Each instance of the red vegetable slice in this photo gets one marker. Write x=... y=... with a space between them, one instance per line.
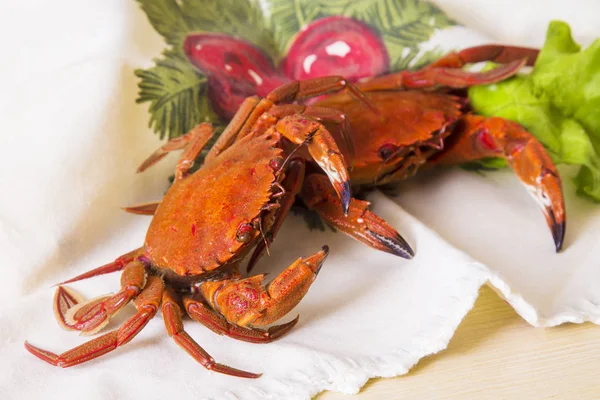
x=336 y=46
x=235 y=69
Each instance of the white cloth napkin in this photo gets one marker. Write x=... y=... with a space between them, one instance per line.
x=72 y=138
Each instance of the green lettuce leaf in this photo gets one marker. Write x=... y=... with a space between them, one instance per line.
x=558 y=102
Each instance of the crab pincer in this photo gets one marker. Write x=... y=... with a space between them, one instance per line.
x=323 y=149
x=479 y=137
x=359 y=223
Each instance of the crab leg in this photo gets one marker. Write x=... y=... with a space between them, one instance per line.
x=91 y=316
x=292 y=185
x=360 y=223
x=446 y=71
x=245 y=302
x=143 y=209
x=322 y=148
x=229 y=135
x=174 y=325
x=299 y=90
x=495 y=53
x=448 y=77
x=496 y=137
x=193 y=142
x=199 y=311
x=114 y=266
x=147 y=305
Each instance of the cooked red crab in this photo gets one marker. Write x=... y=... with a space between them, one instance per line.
x=270 y=152
x=207 y=222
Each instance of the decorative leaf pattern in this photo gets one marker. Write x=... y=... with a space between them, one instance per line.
x=167 y=18
x=240 y=18
x=403 y=24
x=177 y=93
x=289 y=17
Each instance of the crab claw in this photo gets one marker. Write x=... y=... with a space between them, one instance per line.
x=359 y=222
x=249 y=301
x=323 y=149
x=546 y=190
x=479 y=138
x=530 y=161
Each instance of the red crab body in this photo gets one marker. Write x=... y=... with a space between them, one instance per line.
x=409 y=123
x=177 y=238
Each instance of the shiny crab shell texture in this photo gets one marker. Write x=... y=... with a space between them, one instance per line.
x=190 y=243
x=276 y=150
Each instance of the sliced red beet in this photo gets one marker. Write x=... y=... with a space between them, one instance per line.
x=336 y=46
x=235 y=69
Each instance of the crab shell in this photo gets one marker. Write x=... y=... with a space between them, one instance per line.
x=214 y=216
x=410 y=126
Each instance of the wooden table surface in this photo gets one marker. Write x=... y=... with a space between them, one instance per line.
x=495 y=354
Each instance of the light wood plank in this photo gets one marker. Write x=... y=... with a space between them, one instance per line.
x=496 y=355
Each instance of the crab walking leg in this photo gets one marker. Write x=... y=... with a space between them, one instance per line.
x=490 y=52
x=440 y=76
x=91 y=316
x=230 y=134
x=147 y=305
x=64 y=299
x=193 y=142
x=248 y=302
x=199 y=311
x=479 y=138
x=360 y=223
x=323 y=149
x=143 y=209
x=174 y=325
x=117 y=265
x=292 y=185
x=299 y=90
x=446 y=71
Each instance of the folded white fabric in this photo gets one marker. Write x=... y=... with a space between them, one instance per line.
x=72 y=139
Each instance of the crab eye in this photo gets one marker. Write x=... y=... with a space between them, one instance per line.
x=244 y=233
x=276 y=163
x=386 y=151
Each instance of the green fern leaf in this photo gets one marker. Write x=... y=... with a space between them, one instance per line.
x=177 y=96
x=166 y=18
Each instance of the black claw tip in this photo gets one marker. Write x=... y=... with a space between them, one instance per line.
x=345 y=196
x=324 y=249
x=557 y=228
x=558 y=234
x=395 y=245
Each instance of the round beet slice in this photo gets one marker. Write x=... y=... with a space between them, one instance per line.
x=336 y=46
x=235 y=69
